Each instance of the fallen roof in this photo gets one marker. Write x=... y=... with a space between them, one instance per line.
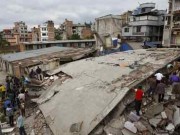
x=32 y=53
x=97 y=86
x=30 y=58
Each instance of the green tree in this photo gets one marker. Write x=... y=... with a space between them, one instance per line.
x=75 y=37
x=3 y=42
x=58 y=37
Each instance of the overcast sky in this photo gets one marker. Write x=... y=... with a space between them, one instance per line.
x=35 y=12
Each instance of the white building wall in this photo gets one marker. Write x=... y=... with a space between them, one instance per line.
x=127 y=34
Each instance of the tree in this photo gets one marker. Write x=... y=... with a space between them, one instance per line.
x=3 y=42
x=58 y=37
x=75 y=37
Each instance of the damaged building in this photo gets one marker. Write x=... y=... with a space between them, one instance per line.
x=47 y=59
x=99 y=91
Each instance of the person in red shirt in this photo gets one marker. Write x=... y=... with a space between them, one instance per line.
x=138 y=99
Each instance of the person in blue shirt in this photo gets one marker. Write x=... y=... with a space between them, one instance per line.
x=20 y=124
x=6 y=102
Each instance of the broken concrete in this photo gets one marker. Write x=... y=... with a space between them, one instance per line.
x=130 y=126
x=163 y=114
x=127 y=132
x=133 y=117
x=170 y=127
x=154 y=121
x=176 y=118
x=140 y=126
x=154 y=110
x=110 y=130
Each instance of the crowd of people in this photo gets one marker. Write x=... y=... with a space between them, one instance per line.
x=157 y=86
x=13 y=97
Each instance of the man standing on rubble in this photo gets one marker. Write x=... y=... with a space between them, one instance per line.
x=160 y=90
x=39 y=73
x=138 y=99
x=152 y=86
x=159 y=77
x=20 y=124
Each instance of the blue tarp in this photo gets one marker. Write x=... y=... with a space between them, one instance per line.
x=125 y=47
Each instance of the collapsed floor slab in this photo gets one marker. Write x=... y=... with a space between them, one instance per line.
x=97 y=86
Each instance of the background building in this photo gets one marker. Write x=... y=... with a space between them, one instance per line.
x=146 y=23
x=46 y=31
x=21 y=29
x=171 y=35
x=108 y=27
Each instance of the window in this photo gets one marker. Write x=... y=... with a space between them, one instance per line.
x=126 y=30
x=138 y=29
x=44 y=29
x=44 y=39
x=44 y=34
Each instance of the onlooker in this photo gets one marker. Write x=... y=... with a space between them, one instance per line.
x=152 y=86
x=160 y=90
x=159 y=77
x=138 y=99
x=20 y=124
x=32 y=74
x=22 y=107
x=3 y=91
x=6 y=102
x=21 y=96
x=39 y=73
x=174 y=78
x=10 y=114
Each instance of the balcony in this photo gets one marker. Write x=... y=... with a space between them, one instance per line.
x=138 y=33
x=146 y=23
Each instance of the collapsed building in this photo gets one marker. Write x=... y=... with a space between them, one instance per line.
x=99 y=89
x=47 y=59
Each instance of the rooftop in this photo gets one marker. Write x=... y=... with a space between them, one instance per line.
x=58 y=41
x=97 y=86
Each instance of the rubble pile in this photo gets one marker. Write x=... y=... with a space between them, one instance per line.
x=155 y=119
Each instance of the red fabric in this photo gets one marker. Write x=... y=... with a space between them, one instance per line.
x=139 y=94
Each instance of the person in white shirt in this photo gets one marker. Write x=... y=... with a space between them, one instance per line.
x=21 y=96
x=159 y=77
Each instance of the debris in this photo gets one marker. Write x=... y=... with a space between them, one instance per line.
x=127 y=132
x=170 y=127
x=130 y=126
x=8 y=130
x=140 y=126
x=162 y=124
x=163 y=114
x=154 y=121
x=117 y=123
x=76 y=128
x=114 y=131
x=176 y=117
x=133 y=117
x=154 y=110
x=98 y=131
x=170 y=112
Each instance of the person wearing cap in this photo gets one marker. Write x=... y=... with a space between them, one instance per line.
x=138 y=99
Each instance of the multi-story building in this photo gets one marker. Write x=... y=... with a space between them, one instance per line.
x=145 y=23
x=46 y=31
x=68 y=29
x=21 y=29
x=126 y=17
x=108 y=27
x=171 y=35
x=10 y=36
x=35 y=34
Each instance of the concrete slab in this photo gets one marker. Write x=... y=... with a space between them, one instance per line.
x=127 y=132
x=133 y=117
x=140 y=126
x=93 y=93
x=176 y=117
x=130 y=126
x=154 y=121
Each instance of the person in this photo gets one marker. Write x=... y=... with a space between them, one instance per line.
x=6 y=102
x=101 y=50
x=160 y=90
x=22 y=107
x=159 y=77
x=39 y=73
x=138 y=99
x=32 y=74
x=10 y=114
x=20 y=124
x=3 y=91
x=174 y=78
x=152 y=86
x=21 y=96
